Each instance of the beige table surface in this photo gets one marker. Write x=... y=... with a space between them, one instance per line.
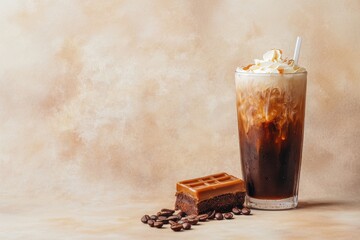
x=120 y=219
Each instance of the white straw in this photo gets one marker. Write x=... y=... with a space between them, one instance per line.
x=297 y=50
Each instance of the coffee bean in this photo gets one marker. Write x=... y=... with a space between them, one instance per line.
x=192 y=216
x=145 y=218
x=167 y=210
x=164 y=214
x=163 y=219
x=245 y=211
x=172 y=222
x=219 y=216
x=163 y=222
x=186 y=226
x=181 y=214
x=202 y=217
x=173 y=218
x=211 y=215
x=176 y=227
x=183 y=220
x=151 y=223
x=158 y=224
x=236 y=211
x=193 y=221
x=228 y=215
x=153 y=217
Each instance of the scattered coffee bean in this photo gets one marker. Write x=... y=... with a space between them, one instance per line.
x=173 y=218
x=158 y=224
x=163 y=222
x=236 y=211
x=162 y=219
x=153 y=217
x=164 y=214
x=183 y=220
x=186 y=226
x=173 y=222
x=145 y=218
x=245 y=211
x=203 y=217
x=176 y=227
x=219 y=216
x=167 y=210
x=192 y=216
x=181 y=214
x=211 y=215
x=151 y=223
x=193 y=221
x=228 y=215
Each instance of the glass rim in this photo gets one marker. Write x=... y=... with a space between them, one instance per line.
x=269 y=74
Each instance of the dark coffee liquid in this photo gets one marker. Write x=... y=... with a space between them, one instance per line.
x=271 y=159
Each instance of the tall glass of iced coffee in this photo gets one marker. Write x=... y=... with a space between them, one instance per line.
x=270 y=109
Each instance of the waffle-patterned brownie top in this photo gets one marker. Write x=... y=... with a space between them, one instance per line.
x=211 y=186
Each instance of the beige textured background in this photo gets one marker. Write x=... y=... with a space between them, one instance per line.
x=112 y=99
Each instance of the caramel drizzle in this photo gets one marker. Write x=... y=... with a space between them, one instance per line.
x=248 y=66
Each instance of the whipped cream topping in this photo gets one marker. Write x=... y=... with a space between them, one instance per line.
x=272 y=62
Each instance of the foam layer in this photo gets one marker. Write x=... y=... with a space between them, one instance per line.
x=272 y=62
